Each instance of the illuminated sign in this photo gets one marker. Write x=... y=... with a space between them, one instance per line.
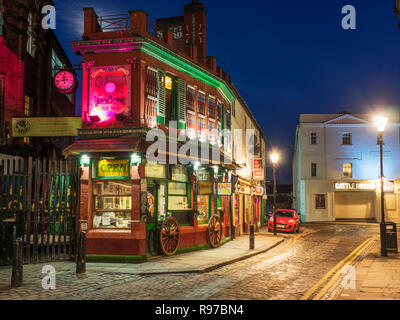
x=46 y=127
x=225 y=189
x=258 y=191
x=364 y=186
x=113 y=169
x=109 y=94
x=258 y=172
x=205 y=188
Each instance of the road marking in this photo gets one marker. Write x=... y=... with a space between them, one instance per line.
x=285 y=247
x=350 y=258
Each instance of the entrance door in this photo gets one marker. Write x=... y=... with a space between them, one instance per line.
x=152 y=219
x=355 y=205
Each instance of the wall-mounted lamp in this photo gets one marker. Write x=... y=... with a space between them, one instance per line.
x=85 y=161
x=136 y=159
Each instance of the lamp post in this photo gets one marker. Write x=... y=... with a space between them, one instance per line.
x=274 y=160
x=381 y=122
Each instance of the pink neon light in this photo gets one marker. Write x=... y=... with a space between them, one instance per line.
x=110 y=87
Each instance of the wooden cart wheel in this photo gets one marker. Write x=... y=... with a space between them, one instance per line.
x=215 y=232
x=170 y=236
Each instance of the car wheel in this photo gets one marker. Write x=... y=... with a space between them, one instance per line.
x=298 y=229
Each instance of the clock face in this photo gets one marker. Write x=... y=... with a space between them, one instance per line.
x=65 y=81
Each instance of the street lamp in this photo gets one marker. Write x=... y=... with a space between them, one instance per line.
x=274 y=160
x=381 y=122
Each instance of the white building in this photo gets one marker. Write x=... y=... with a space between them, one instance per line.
x=336 y=168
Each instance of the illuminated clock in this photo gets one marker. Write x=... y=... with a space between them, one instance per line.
x=65 y=81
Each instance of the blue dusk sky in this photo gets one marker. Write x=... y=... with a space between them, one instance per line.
x=285 y=57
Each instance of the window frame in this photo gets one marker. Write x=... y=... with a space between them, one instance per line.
x=323 y=196
x=344 y=170
x=347 y=139
x=93 y=205
x=314 y=170
x=313 y=139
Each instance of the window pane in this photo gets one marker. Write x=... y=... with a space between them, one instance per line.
x=113 y=188
x=177 y=203
x=113 y=203
x=177 y=188
x=179 y=173
x=112 y=220
x=203 y=207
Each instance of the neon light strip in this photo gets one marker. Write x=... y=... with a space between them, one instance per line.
x=159 y=54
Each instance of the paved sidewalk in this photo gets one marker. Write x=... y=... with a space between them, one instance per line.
x=102 y=276
x=377 y=278
x=195 y=262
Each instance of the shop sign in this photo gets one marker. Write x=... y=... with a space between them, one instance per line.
x=113 y=169
x=258 y=191
x=205 y=188
x=258 y=172
x=364 y=186
x=225 y=189
x=46 y=127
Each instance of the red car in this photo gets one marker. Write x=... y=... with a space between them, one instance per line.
x=286 y=220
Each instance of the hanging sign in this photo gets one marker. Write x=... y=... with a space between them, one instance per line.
x=205 y=188
x=225 y=189
x=258 y=172
x=113 y=169
x=258 y=191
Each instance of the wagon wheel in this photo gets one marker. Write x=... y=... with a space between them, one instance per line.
x=215 y=232
x=170 y=236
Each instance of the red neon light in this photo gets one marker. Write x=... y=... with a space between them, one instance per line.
x=109 y=93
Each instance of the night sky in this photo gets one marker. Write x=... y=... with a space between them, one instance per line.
x=286 y=57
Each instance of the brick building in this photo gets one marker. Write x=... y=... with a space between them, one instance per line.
x=28 y=56
x=138 y=77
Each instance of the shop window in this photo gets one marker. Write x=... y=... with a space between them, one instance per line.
x=313 y=170
x=313 y=138
x=203 y=207
x=320 y=201
x=112 y=205
x=347 y=139
x=179 y=173
x=348 y=170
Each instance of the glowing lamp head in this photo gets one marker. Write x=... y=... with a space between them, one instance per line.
x=274 y=158
x=136 y=159
x=85 y=161
x=110 y=87
x=381 y=122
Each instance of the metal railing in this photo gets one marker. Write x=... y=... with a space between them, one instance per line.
x=115 y=22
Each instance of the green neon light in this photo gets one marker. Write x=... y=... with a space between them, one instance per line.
x=180 y=65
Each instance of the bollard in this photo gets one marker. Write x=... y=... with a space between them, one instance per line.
x=81 y=259
x=252 y=237
x=18 y=263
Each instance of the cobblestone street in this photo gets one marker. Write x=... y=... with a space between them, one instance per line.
x=285 y=273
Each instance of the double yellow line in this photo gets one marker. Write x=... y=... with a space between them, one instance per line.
x=335 y=273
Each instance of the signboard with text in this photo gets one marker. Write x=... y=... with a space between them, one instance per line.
x=46 y=127
x=258 y=170
x=225 y=189
x=113 y=169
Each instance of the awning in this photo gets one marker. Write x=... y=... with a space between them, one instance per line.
x=103 y=145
